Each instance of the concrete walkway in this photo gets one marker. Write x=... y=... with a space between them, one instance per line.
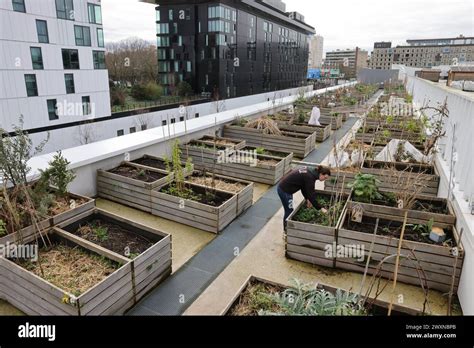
x=182 y=288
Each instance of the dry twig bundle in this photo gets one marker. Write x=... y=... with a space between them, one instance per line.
x=267 y=125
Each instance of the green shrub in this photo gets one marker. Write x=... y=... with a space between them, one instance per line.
x=184 y=89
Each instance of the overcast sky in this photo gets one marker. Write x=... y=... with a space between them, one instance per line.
x=342 y=23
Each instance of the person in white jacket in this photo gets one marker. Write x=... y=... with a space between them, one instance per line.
x=315 y=115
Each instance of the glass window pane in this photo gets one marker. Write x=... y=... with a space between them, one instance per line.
x=36 y=58
x=52 y=109
x=100 y=37
x=19 y=5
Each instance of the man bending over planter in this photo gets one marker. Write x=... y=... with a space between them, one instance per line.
x=303 y=179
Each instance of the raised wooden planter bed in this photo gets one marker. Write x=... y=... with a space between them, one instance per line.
x=322 y=132
x=270 y=171
x=374 y=306
x=334 y=120
x=25 y=233
x=393 y=181
x=153 y=162
x=37 y=296
x=189 y=212
x=300 y=144
x=135 y=193
x=437 y=261
x=148 y=249
x=243 y=189
x=307 y=241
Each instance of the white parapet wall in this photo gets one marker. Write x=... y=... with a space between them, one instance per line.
x=87 y=159
x=455 y=163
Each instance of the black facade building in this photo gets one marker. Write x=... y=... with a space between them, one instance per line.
x=233 y=48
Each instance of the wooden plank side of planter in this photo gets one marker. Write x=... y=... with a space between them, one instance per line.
x=380 y=252
x=125 y=194
x=44 y=298
x=271 y=142
x=120 y=291
x=26 y=233
x=312 y=260
x=124 y=199
x=104 y=293
x=149 y=256
x=414 y=216
x=401 y=277
x=195 y=214
x=22 y=303
x=136 y=182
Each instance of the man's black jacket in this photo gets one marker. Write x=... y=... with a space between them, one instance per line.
x=303 y=179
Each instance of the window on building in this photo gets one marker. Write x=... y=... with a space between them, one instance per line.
x=181 y=119
x=162 y=53
x=70 y=59
x=42 y=30
x=95 y=13
x=31 y=86
x=99 y=59
x=164 y=66
x=173 y=121
x=52 y=109
x=86 y=105
x=19 y=5
x=234 y=15
x=158 y=15
x=133 y=130
x=164 y=123
x=172 y=53
x=175 y=28
x=36 y=58
x=65 y=9
x=227 y=14
x=196 y=115
x=180 y=40
x=176 y=66
x=162 y=28
x=163 y=41
x=69 y=81
x=189 y=66
x=120 y=133
x=144 y=127
x=83 y=35
x=170 y=14
x=100 y=37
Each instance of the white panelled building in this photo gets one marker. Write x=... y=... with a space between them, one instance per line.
x=52 y=63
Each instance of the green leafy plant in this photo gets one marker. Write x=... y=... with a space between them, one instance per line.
x=15 y=152
x=303 y=299
x=365 y=188
x=260 y=150
x=301 y=117
x=57 y=174
x=175 y=166
x=101 y=232
x=424 y=229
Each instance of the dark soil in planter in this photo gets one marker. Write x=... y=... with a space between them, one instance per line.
x=393 y=229
x=137 y=173
x=113 y=237
x=151 y=162
x=72 y=269
x=198 y=194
